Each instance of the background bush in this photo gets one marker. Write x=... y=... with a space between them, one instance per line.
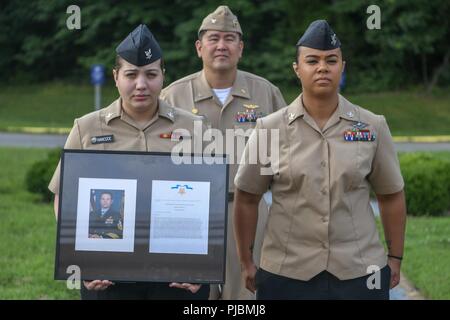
x=427 y=183
x=40 y=174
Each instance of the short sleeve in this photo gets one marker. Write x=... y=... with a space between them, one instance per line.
x=166 y=97
x=253 y=175
x=385 y=177
x=278 y=100
x=73 y=142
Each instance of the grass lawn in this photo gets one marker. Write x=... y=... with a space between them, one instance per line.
x=50 y=105
x=56 y=105
x=426 y=260
x=28 y=234
x=427 y=255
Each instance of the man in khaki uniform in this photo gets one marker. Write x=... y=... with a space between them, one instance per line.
x=226 y=98
x=137 y=121
x=321 y=240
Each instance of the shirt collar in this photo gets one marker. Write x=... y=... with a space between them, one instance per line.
x=240 y=87
x=295 y=109
x=114 y=110
x=202 y=90
x=345 y=110
x=166 y=111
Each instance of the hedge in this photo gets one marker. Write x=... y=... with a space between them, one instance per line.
x=427 y=183
x=40 y=174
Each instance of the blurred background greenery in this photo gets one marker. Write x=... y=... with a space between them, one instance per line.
x=411 y=48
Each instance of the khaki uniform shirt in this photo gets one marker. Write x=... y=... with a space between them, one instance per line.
x=194 y=94
x=127 y=134
x=321 y=218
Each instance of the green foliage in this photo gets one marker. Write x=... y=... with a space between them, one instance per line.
x=27 y=240
x=407 y=50
x=427 y=183
x=49 y=105
x=426 y=259
x=427 y=255
x=409 y=112
x=40 y=174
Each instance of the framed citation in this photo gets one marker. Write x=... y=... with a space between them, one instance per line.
x=142 y=216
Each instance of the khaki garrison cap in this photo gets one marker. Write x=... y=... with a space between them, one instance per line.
x=222 y=19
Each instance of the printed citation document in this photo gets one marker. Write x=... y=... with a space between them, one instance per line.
x=179 y=217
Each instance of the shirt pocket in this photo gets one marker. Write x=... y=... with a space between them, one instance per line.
x=365 y=155
x=244 y=128
x=241 y=135
x=344 y=164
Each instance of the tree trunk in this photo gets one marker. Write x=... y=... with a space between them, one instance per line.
x=437 y=72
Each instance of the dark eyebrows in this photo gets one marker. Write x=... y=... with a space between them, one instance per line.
x=318 y=57
x=152 y=70
x=137 y=70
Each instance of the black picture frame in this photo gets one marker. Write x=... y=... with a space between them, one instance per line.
x=119 y=169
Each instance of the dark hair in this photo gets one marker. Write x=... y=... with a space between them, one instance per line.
x=118 y=63
x=297 y=53
x=202 y=33
x=106 y=192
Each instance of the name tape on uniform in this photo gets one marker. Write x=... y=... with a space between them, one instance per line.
x=102 y=139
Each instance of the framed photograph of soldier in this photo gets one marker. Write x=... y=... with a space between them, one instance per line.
x=105 y=214
x=140 y=216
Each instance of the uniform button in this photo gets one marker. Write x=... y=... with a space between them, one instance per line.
x=323 y=164
x=324 y=191
x=325 y=219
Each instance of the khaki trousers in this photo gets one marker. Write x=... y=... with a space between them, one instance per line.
x=234 y=286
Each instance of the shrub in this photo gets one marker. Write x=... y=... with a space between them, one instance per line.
x=427 y=183
x=40 y=174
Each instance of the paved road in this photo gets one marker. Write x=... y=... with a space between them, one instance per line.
x=421 y=146
x=51 y=141
x=32 y=140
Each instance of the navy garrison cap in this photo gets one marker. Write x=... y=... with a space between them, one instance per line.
x=319 y=35
x=139 y=47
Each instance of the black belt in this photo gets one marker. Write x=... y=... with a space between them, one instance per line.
x=230 y=196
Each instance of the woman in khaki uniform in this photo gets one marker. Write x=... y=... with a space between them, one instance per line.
x=321 y=240
x=137 y=121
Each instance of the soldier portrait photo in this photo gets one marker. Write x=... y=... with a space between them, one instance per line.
x=106 y=214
